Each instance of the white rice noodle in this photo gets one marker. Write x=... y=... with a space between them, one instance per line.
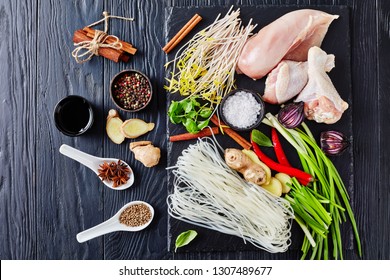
x=209 y=194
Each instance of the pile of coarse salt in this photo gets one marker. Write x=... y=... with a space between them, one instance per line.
x=241 y=109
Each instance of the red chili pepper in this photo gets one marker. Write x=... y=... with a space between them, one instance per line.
x=305 y=182
x=280 y=155
x=294 y=172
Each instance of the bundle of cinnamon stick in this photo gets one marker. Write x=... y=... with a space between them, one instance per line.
x=123 y=54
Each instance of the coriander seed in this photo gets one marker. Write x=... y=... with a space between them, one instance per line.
x=135 y=215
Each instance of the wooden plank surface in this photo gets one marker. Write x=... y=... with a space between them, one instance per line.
x=383 y=58
x=366 y=153
x=70 y=196
x=46 y=199
x=150 y=183
x=18 y=206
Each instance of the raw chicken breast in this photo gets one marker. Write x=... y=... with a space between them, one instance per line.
x=289 y=37
x=285 y=81
x=322 y=101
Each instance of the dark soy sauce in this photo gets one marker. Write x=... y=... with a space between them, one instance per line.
x=73 y=115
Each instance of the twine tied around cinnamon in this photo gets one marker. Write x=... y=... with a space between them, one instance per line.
x=92 y=47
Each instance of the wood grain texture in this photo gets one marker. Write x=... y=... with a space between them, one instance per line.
x=366 y=153
x=383 y=58
x=150 y=183
x=17 y=121
x=69 y=195
x=46 y=198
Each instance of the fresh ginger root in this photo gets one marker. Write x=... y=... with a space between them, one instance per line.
x=113 y=127
x=251 y=154
x=145 y=152
x=240 y=162
x=134 y=128
x=118 y=130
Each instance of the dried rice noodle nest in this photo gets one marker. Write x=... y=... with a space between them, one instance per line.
x=209 y=194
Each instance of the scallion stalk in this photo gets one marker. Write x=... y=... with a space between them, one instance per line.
x=322 y=208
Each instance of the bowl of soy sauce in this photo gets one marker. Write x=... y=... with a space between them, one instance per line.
x=73 y=115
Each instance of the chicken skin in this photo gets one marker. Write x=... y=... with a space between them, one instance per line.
x=323 y=103
x=289 y=37
x=285 y=82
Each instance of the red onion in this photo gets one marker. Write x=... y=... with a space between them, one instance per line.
x=333 y=142
x=291 y=115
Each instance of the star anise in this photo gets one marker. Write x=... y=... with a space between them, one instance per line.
x=118 y=173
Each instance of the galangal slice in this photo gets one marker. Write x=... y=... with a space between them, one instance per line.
x=322 y=101
x=288 y=37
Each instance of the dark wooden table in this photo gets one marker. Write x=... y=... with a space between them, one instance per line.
x=46 y=199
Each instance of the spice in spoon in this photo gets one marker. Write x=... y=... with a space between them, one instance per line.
x=118 y=173
x=135 y=215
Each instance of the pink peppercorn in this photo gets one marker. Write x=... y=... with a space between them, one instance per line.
x=131 y=90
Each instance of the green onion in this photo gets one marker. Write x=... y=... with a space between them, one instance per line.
x=321 y=210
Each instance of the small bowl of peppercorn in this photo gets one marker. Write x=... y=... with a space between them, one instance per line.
x=131 y=90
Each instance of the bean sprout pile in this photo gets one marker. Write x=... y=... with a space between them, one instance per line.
x=205 y=66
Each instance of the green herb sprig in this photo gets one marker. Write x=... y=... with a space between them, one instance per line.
x=190 y=113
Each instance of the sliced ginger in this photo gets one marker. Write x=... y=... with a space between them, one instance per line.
x=113 y=127
x=118 y=130
x=134 y=128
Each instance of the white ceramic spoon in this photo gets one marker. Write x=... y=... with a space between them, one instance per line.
x=113 y=224
x=93 y=163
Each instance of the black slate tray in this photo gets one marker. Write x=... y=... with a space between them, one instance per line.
x=337 y=42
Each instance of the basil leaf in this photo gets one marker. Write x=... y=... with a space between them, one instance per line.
x=184 y=238
x=187 y=105
x=174 y=108
x=261 y=139
x=205 y=112
x=194 y=102
x=176 y=119
x=191 y=126
x=202 y=124
x=191 y=114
